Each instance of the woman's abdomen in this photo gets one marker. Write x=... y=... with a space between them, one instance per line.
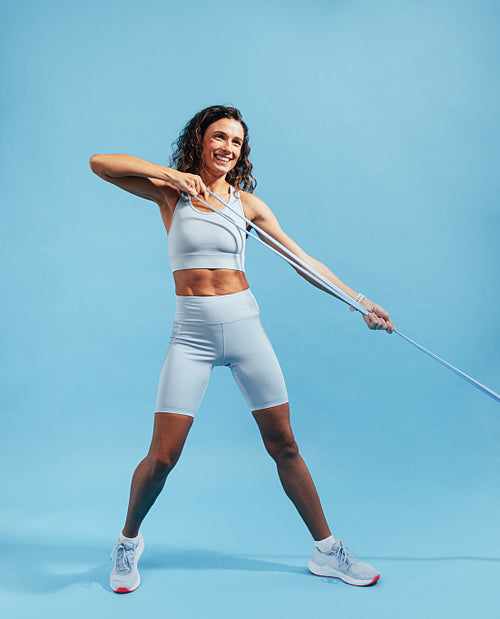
x=209 y=282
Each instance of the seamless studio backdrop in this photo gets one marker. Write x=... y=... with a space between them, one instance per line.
x=374 y=134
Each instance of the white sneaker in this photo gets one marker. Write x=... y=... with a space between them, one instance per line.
x=124 y=576
x=338 y=563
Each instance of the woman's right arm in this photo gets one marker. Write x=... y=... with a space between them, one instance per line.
x=142 y=178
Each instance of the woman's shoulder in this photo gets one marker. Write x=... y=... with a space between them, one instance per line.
x=254 y=206
x=246 y=195
x=251 y=198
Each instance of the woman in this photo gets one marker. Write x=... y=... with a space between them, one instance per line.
x=217 y=323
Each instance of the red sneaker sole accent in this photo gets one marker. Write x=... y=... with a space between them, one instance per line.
x=123 y=590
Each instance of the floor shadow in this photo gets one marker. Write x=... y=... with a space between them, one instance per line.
x=35 y=568
x=179 y=559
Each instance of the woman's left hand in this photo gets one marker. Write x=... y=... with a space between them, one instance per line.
x=378 y=319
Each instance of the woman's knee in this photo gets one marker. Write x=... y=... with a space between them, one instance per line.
x=160 y=464
x=169 y=435
x=282 y=447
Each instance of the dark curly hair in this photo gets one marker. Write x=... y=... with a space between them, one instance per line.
x=187 y=147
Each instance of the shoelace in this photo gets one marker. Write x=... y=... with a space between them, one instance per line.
x=124 y=557
x=343 y=556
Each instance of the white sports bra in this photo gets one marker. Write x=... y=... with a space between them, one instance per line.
x=199 y=240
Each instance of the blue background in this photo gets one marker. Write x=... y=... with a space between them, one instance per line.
x=374 y=133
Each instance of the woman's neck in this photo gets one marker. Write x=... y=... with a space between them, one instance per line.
x=216 y=184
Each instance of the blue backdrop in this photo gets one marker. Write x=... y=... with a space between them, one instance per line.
x=374 y=134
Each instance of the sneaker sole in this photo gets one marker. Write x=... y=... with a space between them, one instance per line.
x=330 y=572
x=140 y=550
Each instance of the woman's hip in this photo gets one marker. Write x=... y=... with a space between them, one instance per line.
x=219 y=309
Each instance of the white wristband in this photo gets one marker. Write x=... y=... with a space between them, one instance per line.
x=359 y=298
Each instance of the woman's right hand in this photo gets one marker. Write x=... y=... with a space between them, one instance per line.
x=189 y=183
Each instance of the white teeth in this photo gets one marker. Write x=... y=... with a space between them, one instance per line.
x=221 y=158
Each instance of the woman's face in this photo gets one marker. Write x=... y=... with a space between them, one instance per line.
x=221 y=145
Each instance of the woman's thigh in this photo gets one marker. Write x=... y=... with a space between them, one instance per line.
x=185 y=373
x=254 y=364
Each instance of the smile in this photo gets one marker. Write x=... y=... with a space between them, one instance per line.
x=222 y=158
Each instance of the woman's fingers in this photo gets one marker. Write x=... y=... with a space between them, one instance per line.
x=380 y=319
x=190 y=183
x=371 y=321
x=194 y=183
x=202 y=190
x=375 y=322
x=197 y=186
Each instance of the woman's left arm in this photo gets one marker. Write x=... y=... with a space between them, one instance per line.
x=259 y=213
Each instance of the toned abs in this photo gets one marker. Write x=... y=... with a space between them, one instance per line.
x=209 y=282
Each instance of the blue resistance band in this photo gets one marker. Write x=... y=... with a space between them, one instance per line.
x=300 y=265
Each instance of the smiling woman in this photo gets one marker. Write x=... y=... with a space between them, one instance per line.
x=217 y=322
x=193 y=139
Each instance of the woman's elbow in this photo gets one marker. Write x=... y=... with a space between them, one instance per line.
x=96 y=163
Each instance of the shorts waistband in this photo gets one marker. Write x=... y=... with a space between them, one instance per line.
x=216 y=309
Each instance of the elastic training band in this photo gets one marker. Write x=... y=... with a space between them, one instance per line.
x=465 y=376
x=287 y=255
x=299 y=264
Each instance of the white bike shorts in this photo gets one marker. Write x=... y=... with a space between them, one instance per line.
x=218 y=330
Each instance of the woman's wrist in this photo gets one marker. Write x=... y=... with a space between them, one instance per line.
x=362 y=300
x=152 y=170
x=166 y=174
x=146 y=169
